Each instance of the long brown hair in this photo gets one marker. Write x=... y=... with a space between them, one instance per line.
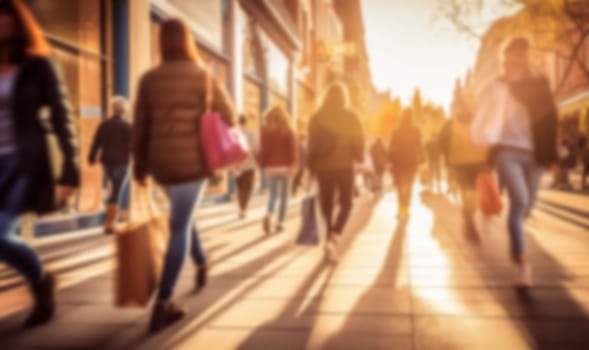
x=29 y=40
x=277 y=119
x=336 y=97
x=177 y=42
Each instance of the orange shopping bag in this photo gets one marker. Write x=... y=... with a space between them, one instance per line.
x=488 y=195
x=140 y=249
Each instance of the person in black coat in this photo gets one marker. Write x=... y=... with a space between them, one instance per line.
x=405 y=155
x=113 y=141
x=28 y=85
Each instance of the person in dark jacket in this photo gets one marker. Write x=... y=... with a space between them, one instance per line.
x=302 y=164
x=585 y=161
x=113 y=141
x=378 y=153
x=405 y=155
x=434 y=161
x=245 y=172
x=517 y=116
x=172 y=97
x=336 y=143
x=29 y=84
x=278 y=158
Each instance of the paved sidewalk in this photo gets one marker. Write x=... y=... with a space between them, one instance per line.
x=409 y=285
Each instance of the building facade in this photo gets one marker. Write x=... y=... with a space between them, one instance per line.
x=265 y=52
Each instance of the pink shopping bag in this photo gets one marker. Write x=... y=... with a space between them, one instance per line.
x=223 y=145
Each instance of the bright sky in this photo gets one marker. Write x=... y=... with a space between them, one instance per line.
x=408 y=48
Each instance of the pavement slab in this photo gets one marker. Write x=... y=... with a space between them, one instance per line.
x=414 y=284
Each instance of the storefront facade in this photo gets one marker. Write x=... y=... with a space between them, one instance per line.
x=103 y=46
x=77 y=32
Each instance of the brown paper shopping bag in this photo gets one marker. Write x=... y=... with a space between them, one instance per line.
x=140 y=250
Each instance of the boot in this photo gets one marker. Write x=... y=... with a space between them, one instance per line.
x=163 y=315
x=201 y=276
x=109 y=221
x=469 y=228
x=266 y=225
x=44 y=295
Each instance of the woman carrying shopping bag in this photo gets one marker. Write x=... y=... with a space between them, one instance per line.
x=172 y=100
x=278 y=159
x=336 y=143
x=517 y=116
x=466 y=160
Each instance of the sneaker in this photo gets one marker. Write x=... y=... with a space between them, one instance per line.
x=44 y=294
x=403 y=213
x=201 y=277
x=525 y=276
x=331 y=251
x=163 y=315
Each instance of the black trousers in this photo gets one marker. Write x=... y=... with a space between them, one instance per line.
x=404 y=183
x=336 y=184
x=245 y=186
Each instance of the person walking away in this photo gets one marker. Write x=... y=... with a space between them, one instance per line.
x=172 y=98
x=336 y=144
x=278 y=159
x=302 y=164
x=405 y=155
x=466 y=161
x=434 y=163
x=517 y=116
x=245 y=172
x=29 y=83
x=378 y=153
x=113 y=141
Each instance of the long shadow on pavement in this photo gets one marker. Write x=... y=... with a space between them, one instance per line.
x=547 y=316
x=365 y=320
x=303 y=305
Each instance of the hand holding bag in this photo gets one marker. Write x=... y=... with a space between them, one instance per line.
x=223 y=146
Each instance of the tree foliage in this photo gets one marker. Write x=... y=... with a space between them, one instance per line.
x=560 y=27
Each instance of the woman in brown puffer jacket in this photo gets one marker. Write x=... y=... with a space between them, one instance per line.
x=166 y=145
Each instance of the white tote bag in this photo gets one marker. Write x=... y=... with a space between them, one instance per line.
x=487 y=125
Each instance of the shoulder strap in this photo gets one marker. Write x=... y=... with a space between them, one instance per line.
x=209 y=93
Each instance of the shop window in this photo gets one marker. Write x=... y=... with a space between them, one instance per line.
x=277 y=69
x=74 y=21
x=74 y=29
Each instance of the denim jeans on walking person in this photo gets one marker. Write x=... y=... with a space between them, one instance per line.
x=520 y=175
x=279 y=186
x=184 y=199
x=13 y=250
x=118 y=176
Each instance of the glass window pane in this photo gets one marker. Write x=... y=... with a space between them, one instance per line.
x=75 y=21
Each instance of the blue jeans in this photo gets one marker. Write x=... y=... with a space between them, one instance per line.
x=184 y=198
x=520 y=175
x=13 y=251
x=119 y=180
x=279 y=186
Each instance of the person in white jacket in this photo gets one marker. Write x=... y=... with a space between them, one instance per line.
x=516 y=116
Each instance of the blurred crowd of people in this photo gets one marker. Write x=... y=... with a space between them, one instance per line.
x=510 y=131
